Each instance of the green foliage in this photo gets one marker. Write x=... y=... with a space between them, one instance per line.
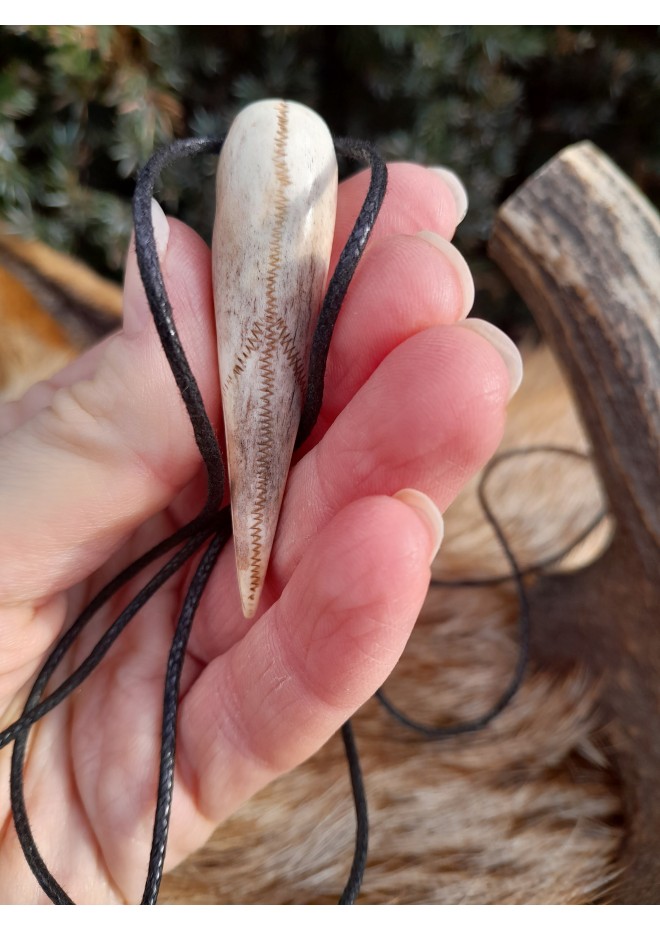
x=82 y=107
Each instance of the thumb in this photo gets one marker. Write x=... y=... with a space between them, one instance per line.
x=108 y=443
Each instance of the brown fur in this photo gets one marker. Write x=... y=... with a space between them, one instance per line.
x=527 y=811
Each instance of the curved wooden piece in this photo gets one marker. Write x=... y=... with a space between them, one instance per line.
x=582 y=246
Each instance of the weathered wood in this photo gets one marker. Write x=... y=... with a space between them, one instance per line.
x=582 y=246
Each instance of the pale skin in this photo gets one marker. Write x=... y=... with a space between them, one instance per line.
x=100 y=463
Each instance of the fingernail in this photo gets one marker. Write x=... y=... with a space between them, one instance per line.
x=455 y=185
x=424 y=506
x=459 y=264
x=161 y=228
x=505 y=346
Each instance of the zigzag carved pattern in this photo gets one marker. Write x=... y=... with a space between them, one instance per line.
x=270 y=335
x=252 y=344
x=284 y=340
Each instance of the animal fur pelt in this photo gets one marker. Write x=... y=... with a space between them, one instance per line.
x=527 y=811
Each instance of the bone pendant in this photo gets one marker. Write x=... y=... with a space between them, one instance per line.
x=275 y=215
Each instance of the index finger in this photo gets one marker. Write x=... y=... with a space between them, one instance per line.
x=417 y=198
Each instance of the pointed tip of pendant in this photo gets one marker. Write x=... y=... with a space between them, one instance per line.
x=254 y=527
x=250 y=590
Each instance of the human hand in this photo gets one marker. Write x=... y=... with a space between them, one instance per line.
x=99 y=464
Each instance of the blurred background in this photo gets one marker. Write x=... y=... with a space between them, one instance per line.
x=83 y=107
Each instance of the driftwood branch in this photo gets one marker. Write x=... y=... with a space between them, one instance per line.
x=581 y=244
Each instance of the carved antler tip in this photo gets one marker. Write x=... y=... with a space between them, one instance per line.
x=275 y=215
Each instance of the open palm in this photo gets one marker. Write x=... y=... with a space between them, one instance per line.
x=99 y=464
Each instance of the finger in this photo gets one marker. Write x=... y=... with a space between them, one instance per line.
x=313 y=659
x=109 y=451
x=417 y=198
x=403 y=285
x=429 y=417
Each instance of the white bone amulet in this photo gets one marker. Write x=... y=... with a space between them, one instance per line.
x=276 y=201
